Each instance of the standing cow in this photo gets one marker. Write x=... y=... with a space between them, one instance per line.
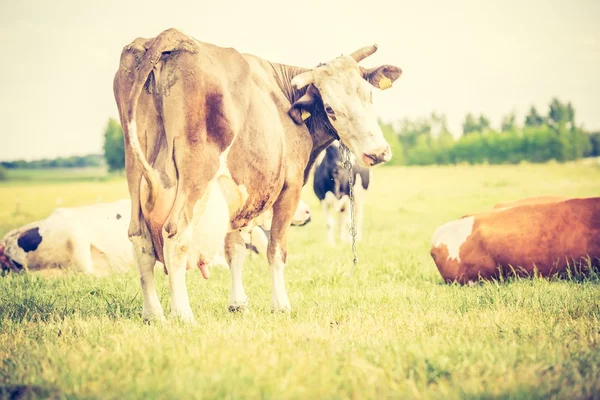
x=331 y=185
x=213 y=138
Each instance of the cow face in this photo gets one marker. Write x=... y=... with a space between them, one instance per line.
x=302 y=214
x=333 y=160
x=345 y=92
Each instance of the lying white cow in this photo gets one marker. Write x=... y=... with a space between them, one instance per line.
x=93 y=239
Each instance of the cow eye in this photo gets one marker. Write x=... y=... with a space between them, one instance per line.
x=329 y=110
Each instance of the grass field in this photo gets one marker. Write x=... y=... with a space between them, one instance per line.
x=392 y=330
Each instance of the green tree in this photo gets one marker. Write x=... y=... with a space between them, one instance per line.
x=114 y=148
x=594 y=150
x=484 y=123
x=560 y=114
x=2 y=173
x=470 y=125
x=509 y=122
x=443 y=148
x=391 y=136
x=533 y=118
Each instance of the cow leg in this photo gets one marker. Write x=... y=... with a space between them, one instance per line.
x=359 y=204
x=197 y=163
x=235 y=252
x=344 y=218
x=145 y=259
x=283 y=213
x=81 y=255
x=328 y=204
x=176 y=255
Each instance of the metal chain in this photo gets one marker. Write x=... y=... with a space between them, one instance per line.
x=347 y=164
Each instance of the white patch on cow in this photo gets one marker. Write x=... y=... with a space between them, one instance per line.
x=176 y=258
x=280 y=300
x=223 y=167
x=209 y=225
x=301 y=215
x=328 y=204
x=145 y=261
x=256 y=238
x=219 y=261
x=453 y=234
x=238 y=300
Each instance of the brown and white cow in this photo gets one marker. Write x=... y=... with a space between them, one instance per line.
x=523 y=238
x=213 y=138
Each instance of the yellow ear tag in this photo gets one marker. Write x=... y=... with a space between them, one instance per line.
x=305 y=115
x=385 y=83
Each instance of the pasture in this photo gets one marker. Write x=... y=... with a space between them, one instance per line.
x=391 y=330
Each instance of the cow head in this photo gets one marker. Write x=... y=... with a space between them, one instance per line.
x=344 y=90
x=302 y=214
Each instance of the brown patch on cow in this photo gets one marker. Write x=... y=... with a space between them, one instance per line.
x=217 y=125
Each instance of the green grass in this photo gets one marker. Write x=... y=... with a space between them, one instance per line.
x=392 y=330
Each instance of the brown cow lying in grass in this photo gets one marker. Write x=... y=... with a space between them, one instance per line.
x=545 y=235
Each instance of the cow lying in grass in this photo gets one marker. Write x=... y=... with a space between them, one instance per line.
x=93 y=239
x=547 y=236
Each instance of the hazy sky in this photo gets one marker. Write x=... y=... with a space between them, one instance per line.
x=59 y=57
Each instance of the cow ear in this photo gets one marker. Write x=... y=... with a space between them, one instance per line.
x=299 y=111
x=381 y=77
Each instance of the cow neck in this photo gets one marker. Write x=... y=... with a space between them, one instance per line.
x=318 y=125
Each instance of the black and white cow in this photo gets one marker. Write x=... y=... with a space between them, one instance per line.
x=331 y=185
x=93 y=239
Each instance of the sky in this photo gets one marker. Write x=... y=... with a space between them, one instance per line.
x=480 y=56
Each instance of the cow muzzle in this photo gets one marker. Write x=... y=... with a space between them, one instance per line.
x=6 y=264
x=378 y=156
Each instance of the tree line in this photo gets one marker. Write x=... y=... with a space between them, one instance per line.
x=425 y=141
x=90 y=160
x=422 y=141
x=553 y=136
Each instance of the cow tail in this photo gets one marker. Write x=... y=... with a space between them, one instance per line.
x=162 y=43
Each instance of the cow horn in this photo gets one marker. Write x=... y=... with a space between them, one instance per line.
x=364 y=52
x=302 y=80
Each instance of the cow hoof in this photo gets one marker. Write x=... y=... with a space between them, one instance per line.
x=239 y=308
x=281 y=306
x=187 y=317
x=150 y=317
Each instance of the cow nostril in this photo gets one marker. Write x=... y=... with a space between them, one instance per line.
x=370 y=159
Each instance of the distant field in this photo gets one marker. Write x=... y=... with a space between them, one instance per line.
x=392 y=330
x=20 y=176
